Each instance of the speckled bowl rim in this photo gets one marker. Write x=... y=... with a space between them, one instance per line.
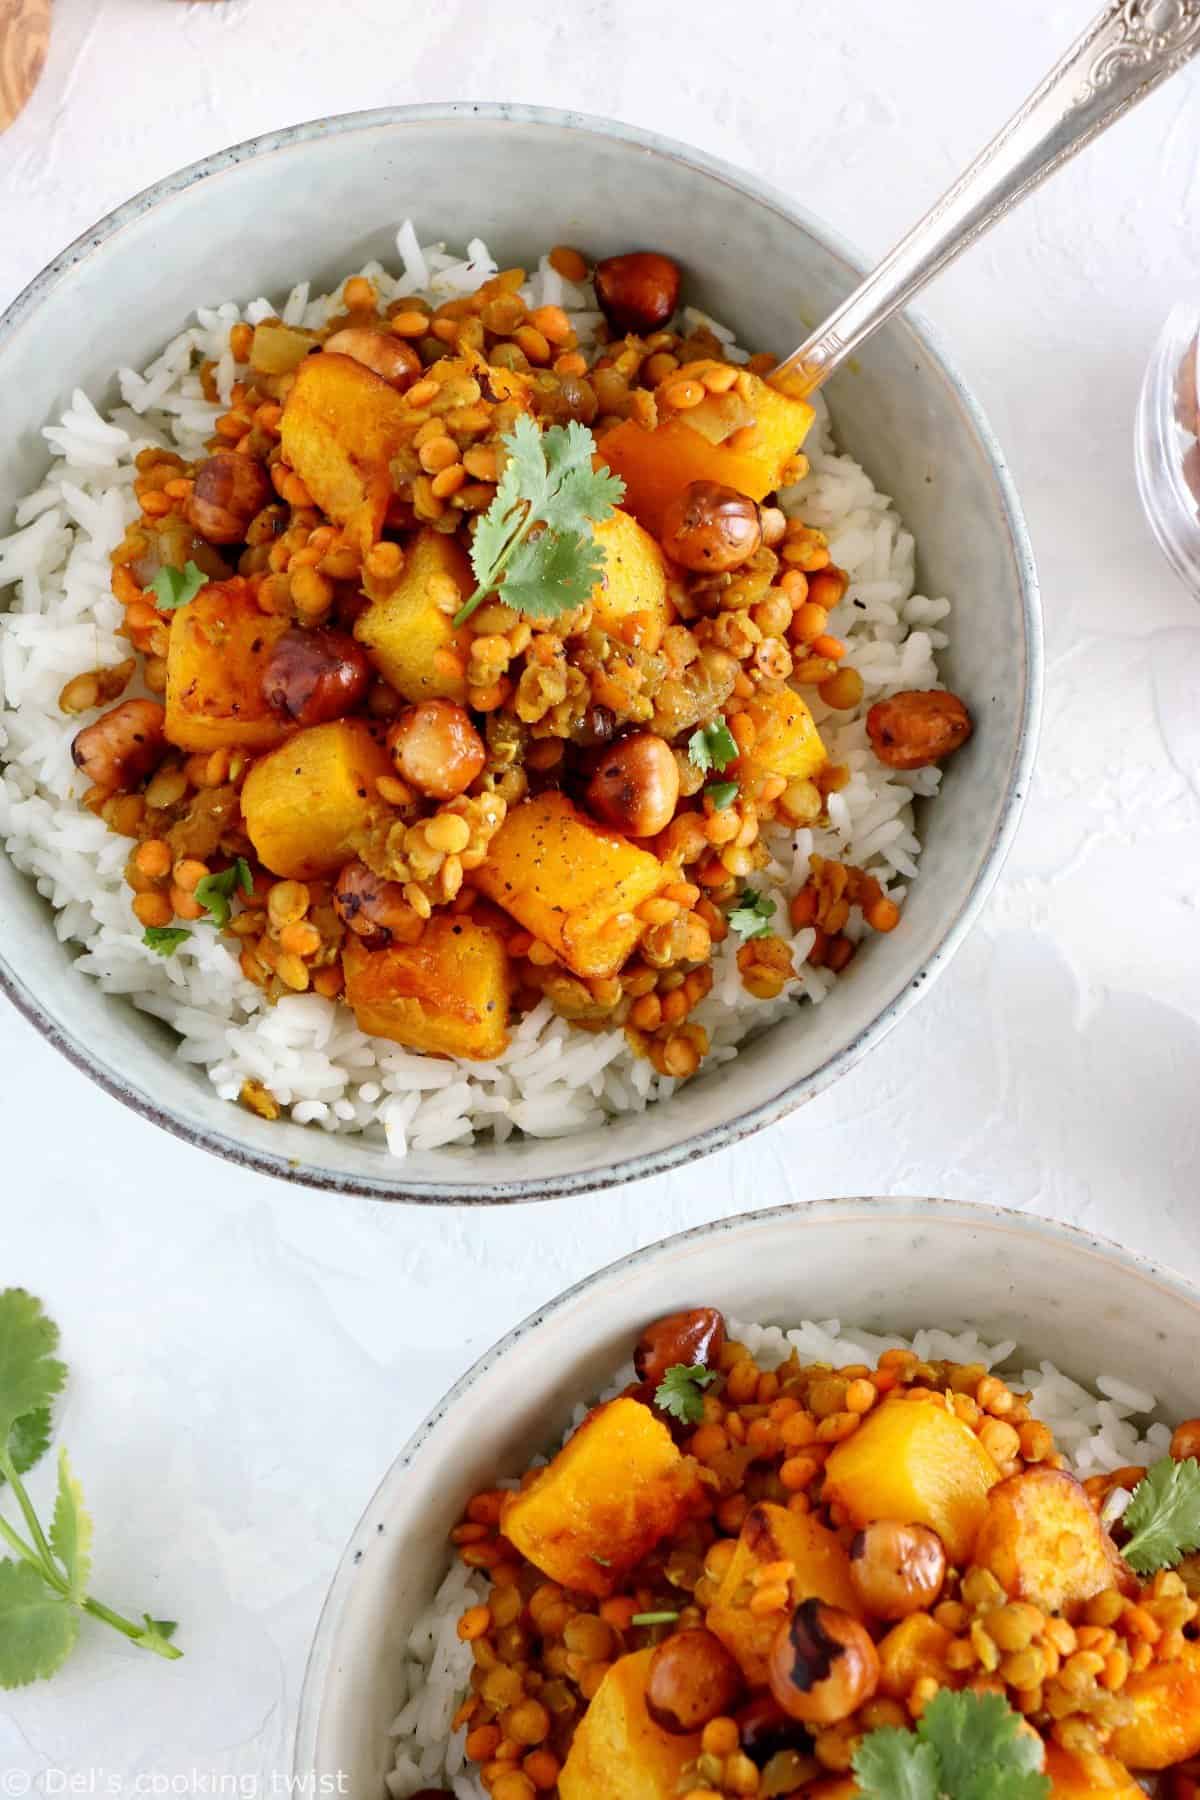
x=971 y=1215
x=716 y=1137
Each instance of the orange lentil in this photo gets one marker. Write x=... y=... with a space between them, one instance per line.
x=329 y=981
x=448 y=481
x=552 y=322
x=533 y=342
x=682 y=393
x=884 y=915
x=568 y=263
x=153 y=857
x=300 y=939
x=359 y=294
x=152 y=909
x=474 y=1623
x=830 y=647
x=542 y=1768
x=483 y=1742
x=184 y=905
x=188 y=871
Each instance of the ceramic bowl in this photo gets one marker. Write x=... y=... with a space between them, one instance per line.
x=322 y=197
x=887 y=1265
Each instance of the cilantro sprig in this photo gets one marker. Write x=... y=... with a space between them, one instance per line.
x=44 y=1585
x=1163 y=1517
x=165 y=939
x=965 y=1747
x=173 y=588
x=679 y=1392
x=214 y=892
x=535 y=544
x=712 y=747
x=751 y=917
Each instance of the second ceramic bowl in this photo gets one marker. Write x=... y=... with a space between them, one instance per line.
x=323 y=197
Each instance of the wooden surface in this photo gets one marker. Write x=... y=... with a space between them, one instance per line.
x=24 y=40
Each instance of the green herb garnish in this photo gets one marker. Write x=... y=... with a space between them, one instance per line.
x=166 y=939
x=751 y=917
x=44 y=1589
x=173 y=588
x=1163 y=1517
x=965 y=1747
x=534 y=545
x=659 y=1618
x=679 y=1391
x=722 y=794
x=214 y=892
x=712 y=747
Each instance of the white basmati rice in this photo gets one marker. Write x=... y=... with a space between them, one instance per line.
x=1095 y=1431
x=307 y=1051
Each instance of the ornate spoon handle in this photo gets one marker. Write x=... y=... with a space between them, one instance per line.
x=1125 y=53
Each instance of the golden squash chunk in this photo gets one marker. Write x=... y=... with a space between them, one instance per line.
x=786 y=741
x=743 y=445
x=448 y=993
x=341 y=426
x=822 y=1571
x=1043 y=1542
x=572 y=884
x=615 y=1488
x=307 y=803
x=403 y=632
x=618 y=1751
x=915 y=1461
x=634 y=584
x=1070 y=1781
x=219 y=648
x=914 y=1648
x=1165 y=1728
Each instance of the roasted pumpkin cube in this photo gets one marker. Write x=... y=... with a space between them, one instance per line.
x=916 y=1461
x=405 y=632
x=786 y=740
x=615 y=1488
x=448 y=993
x=821 y=1571
x=219 y=647
x=572 y=884
x=307 y=804
x=912 y=1650
x=747 y=449
x=1044 y=1543
x=1069 y=1780
x=1165 y=1727
x=618 y=1750
x=341 y=426
x=631 y=595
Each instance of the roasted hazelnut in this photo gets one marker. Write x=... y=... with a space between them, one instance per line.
x=691 y=1338
x=710 y=528
x=823 y=1665
x=374 y=909
x=915 y=728
x=123 y=746
x=692 y=1678
x=229 y=489
x=391 y=357
x=638 y=291
x=314 y=676
x=436 y=748
x=897 y=1568
x=636 y=786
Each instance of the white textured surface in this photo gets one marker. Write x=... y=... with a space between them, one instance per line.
x=247 y=1357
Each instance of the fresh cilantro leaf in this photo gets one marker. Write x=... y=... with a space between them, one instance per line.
x=975 y=1734
x=214 y=892
x=166 y=939
x=173 y=588
x=71 y=1531
x=679 y=1391
x=29 y=1440
x=38 y=1627
x=751 y=917
x=30 y=1374
x=712 y=747
x=966 y=1747
x=722 y=794
x=654 y=1618
x=1163 y=1517
x=891 y=1764
x=535 y=543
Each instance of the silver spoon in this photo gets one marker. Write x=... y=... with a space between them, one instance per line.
x=1123 y=55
